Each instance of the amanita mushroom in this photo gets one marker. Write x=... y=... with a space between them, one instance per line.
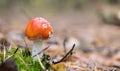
x=38 y=30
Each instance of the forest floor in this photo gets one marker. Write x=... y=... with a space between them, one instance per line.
x=97 y=44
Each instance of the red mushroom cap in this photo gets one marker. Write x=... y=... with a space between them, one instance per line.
x=38 y=28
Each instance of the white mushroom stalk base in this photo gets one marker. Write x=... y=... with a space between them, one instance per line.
x=37 y=47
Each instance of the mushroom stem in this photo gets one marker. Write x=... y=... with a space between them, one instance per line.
x=37 y=47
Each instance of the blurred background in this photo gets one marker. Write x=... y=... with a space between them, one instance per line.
x=93 y=25
x=90 y=23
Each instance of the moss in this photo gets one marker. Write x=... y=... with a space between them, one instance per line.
x=26 y=63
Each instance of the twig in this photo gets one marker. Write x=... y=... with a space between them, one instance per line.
x=4 y=52
x=23 y=61
x=15 y=51
x=65 y=55
x=64 y=45
x=41 y=51
x=12 y=55
x=40 y=63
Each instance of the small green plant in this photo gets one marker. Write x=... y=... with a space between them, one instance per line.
x=25 y=62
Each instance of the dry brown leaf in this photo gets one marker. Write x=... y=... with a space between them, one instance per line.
x=58 y=67
x=76 y=66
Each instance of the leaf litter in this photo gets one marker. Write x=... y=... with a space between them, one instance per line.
x=97 y=52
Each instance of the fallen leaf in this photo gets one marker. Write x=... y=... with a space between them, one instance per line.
x=59 y=67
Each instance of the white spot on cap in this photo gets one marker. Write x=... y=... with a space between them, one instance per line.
x=44 y=26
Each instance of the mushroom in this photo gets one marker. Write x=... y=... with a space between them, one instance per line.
x=38 y=30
